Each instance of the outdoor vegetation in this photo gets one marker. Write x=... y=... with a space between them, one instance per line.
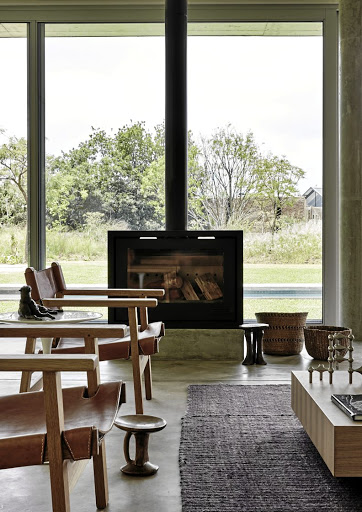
x=116 y=182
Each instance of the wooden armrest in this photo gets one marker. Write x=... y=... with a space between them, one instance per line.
x=108 y=303
x=49 y=363
x=49 y=330
x=117 y=292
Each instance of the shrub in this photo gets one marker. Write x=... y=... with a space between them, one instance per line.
x=13 y=245
x=299 y=243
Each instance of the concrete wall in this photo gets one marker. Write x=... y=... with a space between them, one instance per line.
x=216 y=344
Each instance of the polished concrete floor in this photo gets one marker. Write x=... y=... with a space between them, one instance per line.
x=27 y=489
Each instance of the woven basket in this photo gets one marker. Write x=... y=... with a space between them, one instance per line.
x=316 y=340
x=284 y=336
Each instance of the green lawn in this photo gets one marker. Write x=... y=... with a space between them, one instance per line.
x=261 y=273
x=75 y=272
x=95 y=272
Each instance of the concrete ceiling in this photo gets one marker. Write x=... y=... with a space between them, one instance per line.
x=157 y=29
x=31 y=3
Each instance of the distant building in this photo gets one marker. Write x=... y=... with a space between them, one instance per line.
x=313 y=203
x=314 y=197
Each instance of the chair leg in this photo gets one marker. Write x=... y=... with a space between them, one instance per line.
x=137 y=384
x=148 y=379
x=136 y=359
x=100 y=477
x=59 y=484
x=25 y=382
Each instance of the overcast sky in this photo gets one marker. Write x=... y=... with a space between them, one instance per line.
x=269 y=85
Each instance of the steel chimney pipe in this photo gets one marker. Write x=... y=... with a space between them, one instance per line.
x=176 y=114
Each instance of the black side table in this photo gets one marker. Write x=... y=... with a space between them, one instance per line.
x=254 y=343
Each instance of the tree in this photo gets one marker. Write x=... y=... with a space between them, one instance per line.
x=13 y=180
x=104 y=174
x=224 y=183
x=153 y=181
x=276 y=188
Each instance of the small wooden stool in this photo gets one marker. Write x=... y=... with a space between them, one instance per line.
x=141 y=426
x=254 y=348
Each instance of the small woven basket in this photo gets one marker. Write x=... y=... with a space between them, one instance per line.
x=284 y=336
x=316 y=340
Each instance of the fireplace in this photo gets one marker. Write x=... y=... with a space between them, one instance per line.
x=201 y=273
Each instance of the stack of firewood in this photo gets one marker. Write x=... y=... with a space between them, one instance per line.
x=177 y=287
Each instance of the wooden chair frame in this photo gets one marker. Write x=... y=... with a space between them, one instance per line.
x=126 y=298
x=141 y=364
x=64 y=473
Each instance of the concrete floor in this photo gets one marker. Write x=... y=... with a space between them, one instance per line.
x=27 y=489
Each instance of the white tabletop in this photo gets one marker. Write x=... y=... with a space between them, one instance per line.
x=62 y=317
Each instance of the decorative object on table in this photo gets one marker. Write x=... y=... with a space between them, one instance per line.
x=254 y=343
x=284 y=336
x=317 y=342
x=29 y=309
x=140 y=426
x=337 y=351
x=350 y=405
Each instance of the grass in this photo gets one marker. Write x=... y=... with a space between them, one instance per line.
x=264 y=273
x=75 y=272
x=312 y=306
x=95 y=272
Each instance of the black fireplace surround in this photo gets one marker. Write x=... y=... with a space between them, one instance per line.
x=201 y=272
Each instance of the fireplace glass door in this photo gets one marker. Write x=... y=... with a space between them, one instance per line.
x=185 y=274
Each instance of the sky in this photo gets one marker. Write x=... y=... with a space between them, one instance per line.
x=271 y=86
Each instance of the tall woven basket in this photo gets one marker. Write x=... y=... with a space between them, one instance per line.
x=284 y=336
x=316 y=340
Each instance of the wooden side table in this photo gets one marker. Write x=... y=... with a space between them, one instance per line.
x=254 y=343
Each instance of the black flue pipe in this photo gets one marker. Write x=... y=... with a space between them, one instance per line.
x=176 y=115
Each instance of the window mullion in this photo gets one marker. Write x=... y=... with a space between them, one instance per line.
x=36 y=145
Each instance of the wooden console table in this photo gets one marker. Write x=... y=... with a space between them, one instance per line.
x=337 y=437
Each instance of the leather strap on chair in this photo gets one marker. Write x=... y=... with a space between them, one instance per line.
x=23 y=429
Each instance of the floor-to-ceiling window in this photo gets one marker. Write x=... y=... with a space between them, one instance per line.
x=83 y=137
x=13 y=160
x=104 y=140
x=255 y=96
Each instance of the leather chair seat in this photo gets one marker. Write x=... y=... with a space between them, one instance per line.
x=86 y=419
x=114 y=348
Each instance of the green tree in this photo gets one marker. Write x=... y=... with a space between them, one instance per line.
x=104 y=174
x=276 y=188
x=153 y=181
x=13 y=180
x=225 y=182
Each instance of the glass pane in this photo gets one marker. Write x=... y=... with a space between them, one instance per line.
x=13 y=162
x=255 y=154
x=104 y=140
x=186 y=275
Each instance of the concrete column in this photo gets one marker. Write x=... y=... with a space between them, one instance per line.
x=351 y=164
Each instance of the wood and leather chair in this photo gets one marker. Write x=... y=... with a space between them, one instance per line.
x=139 y=341
x=65 y=427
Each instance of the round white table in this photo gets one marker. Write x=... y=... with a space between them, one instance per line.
x=61 y=317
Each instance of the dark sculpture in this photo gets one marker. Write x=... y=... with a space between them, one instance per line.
x=29 y=309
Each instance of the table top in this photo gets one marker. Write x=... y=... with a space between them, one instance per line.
x=320 y=393
x=62 y=317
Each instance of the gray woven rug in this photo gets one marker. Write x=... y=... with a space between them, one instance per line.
x=242 y=449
